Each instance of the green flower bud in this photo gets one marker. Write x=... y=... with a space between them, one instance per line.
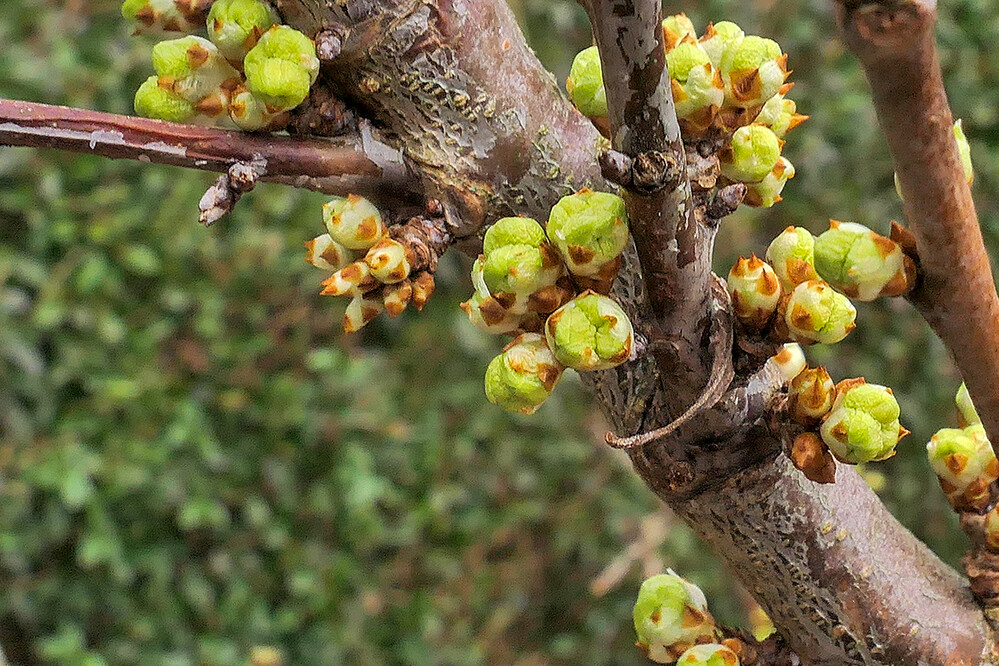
x=585 y=84
x=589 y=229
x=967 y=407
x=861 y=263
x=251 y=115
x=157 y=16
x=790 y=360
x=676 y=28
x=518 y=261
x=235 y=26
x=751 y=155
x=718 y=38
x=522 y=377
x=710 y=654
x=780 y=114
x=792 y=255
x=811 y=393
x=755 y=291
x=396 y=297
x=766 y=193
x=697 y=88
x=324 y=252
x=152 y=101
x=361 y=310
x=513 y=231
x=354 y=222
x=863 y=423
x=353 y=279
x=818 y=313
x=753 y=71
x=590 y=332
x=671 y=615
x=281 y=68
x=193 y=68
x=965 y=464
x=488 y=315
x=388 y=260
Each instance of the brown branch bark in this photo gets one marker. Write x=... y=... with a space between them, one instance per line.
x=896 y=44
x=359 y=163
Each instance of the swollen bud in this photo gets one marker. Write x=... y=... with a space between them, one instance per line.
x=388 y=260
x=522 y=377
x=861 y=263
x=585 y=84
x=709 y=654
x=790 y=360
x=818 y=313
x=671 y=616
x=589 y=229
x=361 y=310
x=281 y=68
x=965 y=464
x=811 y=394
x=863 y=423
x=676 y=28
x=766 y=193
x=792 y=255
x=755 y=291
x=752 y=154
x=193 y=68
x=517 y=261
x=753 y=70
x=780 y=114
x=590 y=332
x=718 y=38
x=153 y=101
x=698 y=91
x=324 y=252
x=354 y=222
x=235 y=26
x=488 y=315
x=353 y=279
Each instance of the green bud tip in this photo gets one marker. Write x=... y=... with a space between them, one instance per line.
x=711 y=654
x=792 y=255
x=766 y=193
x=324 y=252
x=966 y=406
x=755 y=291
x=676 y=28
x=790 y=360
x=863 y=424
x=780 y=114
x=354 y=222
x=522 y=377
x=718 y=38
x=671 y=615
x=518 y=269
x=960 y=457
x=590 y=332
x=697 y=88
x=861 y=263
x=753 y=71
x=589 y=229
x=235 y=26
x=513 y=231
x=751 y=155
x=153 y=101
x=818 y=313
x=282 y=67
x=585 y=84
x=812 y=394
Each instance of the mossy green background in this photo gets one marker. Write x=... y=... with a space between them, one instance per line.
x=194 y=460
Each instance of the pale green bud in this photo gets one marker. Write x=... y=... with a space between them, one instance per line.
x=235 y=26
x=811 y=395
x=753 y=70
x=710 y=654
x=755 y=291
x=790 y=360
x=194 y=69
x=158 y=16
x=281 y=68
x=490 y=316
x=585 y=84
x=818 y=313
x=520 y=270
x=361 y=310
x=966 y=406
x=697 y=88
x=396 y=297
x=862 y=264
x=353 y=279
x=780 y=114
x=718 y=38
x=792 y=255
x=388 y=260
x=676 y=28
x=751 y=155
x=251 y=115
x=863 y=423
x=589 y=229
x=513 y=231
x=153 y=101
x=522 y=377
x=766 y=193
x=671 y=615
x=964 y=463
x=590 y=332
x=324 y=252
x=354 y=222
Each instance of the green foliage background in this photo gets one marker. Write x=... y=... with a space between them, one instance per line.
x=194 y=460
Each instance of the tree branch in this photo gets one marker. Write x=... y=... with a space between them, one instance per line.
x=895 y=42
x=355 y=164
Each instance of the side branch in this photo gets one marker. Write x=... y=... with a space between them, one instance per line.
x=359 y=164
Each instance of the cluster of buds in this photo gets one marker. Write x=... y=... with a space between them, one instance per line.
x=249 y=74
x=378 y=267
x=963 y=151
x=671 y=617
x=965 y=463
x=753 y=157
x=549 y=286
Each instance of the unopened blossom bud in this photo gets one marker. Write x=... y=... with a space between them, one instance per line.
x=361 y=310
x=792 y=255
x=810 y=455
x=965 y=464
x=235 y=26
x=193 y=68
x=352 y=280
x=698 y=91
x=156 y=16
x=718 y=38
x=513 y=231
x=755 y=291
x=518 y=261
x=282 y=67
x=709 y=654
x=251 y=115
x=991 y=529
x=964 y=152
x=780 y=114
x=354 y=222
x=489 y=315
x=585 y=84
x=766 y=193
x=752 y=154
x=811 y=394
x=153 y=101
x=589 y=229
x=790 y=360
x=967 y=408
x=522 y=377
x=671 y=615
x=324 y=252
x=861 y=263
x=753 y=70
x=818 y=313
x=423 y=288
x=388 y=260
x=396 y=297
x=676 y=28
x=863 y=423
x=590 y=332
